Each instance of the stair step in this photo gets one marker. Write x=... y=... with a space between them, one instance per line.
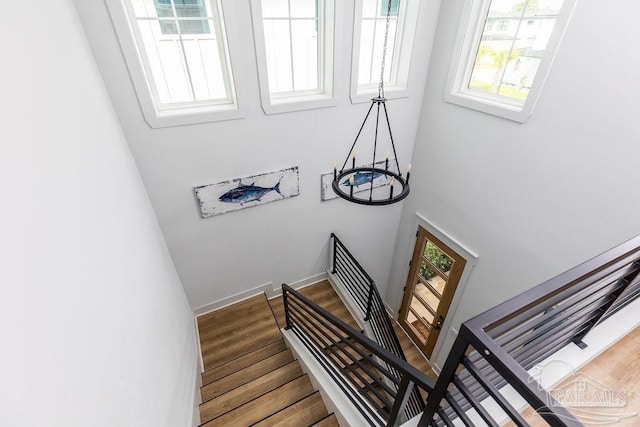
x=242 y=362
x=245 y=375
x=328 y=421
x=305 y=412
x=249 y=391
x=265 y=405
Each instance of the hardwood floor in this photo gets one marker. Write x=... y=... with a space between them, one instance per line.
x=616 y=369
x=321 y=293
x=413 y=354
x=236 y=330
x=252 y=377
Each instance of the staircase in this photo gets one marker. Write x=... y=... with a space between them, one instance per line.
x=251 y=378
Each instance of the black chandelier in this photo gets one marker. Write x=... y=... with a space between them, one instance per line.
x=345 y=180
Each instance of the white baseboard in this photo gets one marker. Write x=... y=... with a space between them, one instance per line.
x=240 y=296
x=197 y=398
x=277 y=290
x=269 y=289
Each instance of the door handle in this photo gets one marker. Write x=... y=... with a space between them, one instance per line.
x=438 y=325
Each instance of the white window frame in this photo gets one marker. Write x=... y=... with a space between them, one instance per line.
x=469 y=33
x=124 y=22
x=303 y=100
x=399 y=84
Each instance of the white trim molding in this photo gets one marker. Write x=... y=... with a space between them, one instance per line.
x=471 y=260
x=472 y=24
x=164 y=115
x=329 y=36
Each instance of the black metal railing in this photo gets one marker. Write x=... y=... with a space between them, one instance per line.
x=500 y=345
x=364 y=292
x=377 y=382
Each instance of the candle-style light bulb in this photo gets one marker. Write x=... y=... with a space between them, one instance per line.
x=335 y=171
x=352 y=181
x=386 y=162
x=354 y=160
x=393 y=181
x=408 y=172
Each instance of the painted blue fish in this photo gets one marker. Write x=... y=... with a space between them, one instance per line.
x=247 y=193
x=360 y=178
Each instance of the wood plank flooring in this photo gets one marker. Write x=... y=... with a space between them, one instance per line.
x=325 y=296
x=236 y=330
x=617 y=368
x=251 y=377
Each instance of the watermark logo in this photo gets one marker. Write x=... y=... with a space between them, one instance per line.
x=590 y=400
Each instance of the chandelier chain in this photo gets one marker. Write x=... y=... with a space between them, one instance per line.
x=384 y=51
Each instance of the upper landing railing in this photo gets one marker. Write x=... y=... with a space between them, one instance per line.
x=502 y=344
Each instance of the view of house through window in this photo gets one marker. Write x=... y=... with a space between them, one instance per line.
x=294 y=46
x=183 y=9
x=513 y=41
x=183 y=52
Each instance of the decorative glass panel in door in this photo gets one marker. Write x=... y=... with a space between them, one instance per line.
x=433 y=277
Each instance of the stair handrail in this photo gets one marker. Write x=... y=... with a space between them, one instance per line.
x=302 y=315
x=372 y=300
x=364 y=291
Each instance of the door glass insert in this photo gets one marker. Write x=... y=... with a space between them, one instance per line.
x=434 y=274
x=437 y=258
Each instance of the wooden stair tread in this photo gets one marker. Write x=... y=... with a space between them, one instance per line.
x=246 y=375
x=265 y=405
x=305 y=412
x=240 y=395
x=328 y=421
x=242 y=362
x=224 y=334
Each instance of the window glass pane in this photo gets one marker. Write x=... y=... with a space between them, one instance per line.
x=437 y=282
x=275 y=8
x=395 y=7
x=370 y=8
x=166 y=59
x=305 y=54
x=371 y=45
x=437 y=257
x=427 y=295
x=422 y=311
x=515 y=36
x=186 y=60
x=190 y=8
x=423 y=332
x=203 y=60
x=147 y=8
x=277 y=46
x=304 y=8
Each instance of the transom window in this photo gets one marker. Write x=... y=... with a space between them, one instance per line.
x=374 y=20
x=369 y=31
x=504 y=60
x=180 y=63
x=294 y=48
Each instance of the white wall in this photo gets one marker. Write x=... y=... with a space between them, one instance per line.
x=280 y=242
x=95 y=327
x=533 y=199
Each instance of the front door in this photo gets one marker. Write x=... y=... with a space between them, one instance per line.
x=433 y=277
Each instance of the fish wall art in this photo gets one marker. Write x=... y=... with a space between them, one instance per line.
x=362 y=181
x=240 y=193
